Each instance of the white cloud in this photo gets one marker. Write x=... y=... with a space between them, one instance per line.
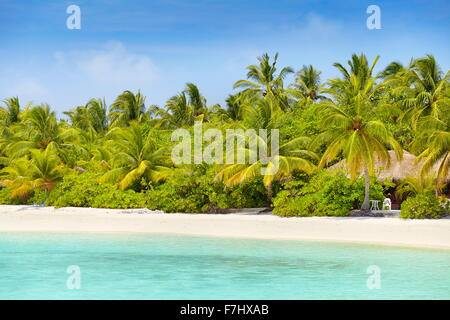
x=26 y=88
x=317 y=27
x=113 y=66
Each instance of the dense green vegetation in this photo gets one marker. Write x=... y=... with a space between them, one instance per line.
x=119 y=156
x=423 y=206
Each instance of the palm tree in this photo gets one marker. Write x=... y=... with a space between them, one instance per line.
x=98 y=114
x=412 y=186
x=185 y=108
x=307 y=85
x=92 y=115
x=40 y=127
x=278 y=164
x=421 y=89
x=263 y=80
x=79 y=117
x=359 y=67
x=351 y=130
x=235 y=106
x=136 y=156
x=127 y=107
x=41 y=171
x=178 y=113
x=195 y=99
x=433 y=140
x=10 y=113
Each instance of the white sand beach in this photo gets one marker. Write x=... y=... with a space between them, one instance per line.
x=382 y=231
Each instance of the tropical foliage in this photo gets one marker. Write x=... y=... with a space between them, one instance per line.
x=119 y=155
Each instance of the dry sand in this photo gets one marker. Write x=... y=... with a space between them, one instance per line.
x=383 y=231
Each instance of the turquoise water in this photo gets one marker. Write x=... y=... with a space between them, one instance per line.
x=123 y=266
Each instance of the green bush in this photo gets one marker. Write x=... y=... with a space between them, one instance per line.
x=5 y=197
x=423 y=206
x=84 y=190
x=325 y=194
x=198 y=192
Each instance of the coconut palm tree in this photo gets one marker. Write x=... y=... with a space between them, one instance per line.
x=177 y=113
x=136 y=156
x=433 y=143
x=195 y=99
x=79 y=117
x=92 y=115
x=127 y=107
x=421 y=89
x=185 y=108
x=263 y=80
x=39 y=127
x=307 y=86
x=350 y=128
x=98 y=114
x=278 y=163
x=235 y=107
x=412 y=186
x=11 y=111
x=42 y=170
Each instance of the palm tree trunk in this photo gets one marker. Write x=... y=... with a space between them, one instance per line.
x=269 y=195
x=366 y=203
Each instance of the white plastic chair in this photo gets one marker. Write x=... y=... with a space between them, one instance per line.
x=387 y=204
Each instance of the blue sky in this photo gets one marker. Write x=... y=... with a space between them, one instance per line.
x=158 y=46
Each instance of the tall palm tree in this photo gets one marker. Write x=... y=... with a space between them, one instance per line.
x=285 y=159
x=350 y=128
x=127 y=107
x=136 y=156
x=433 y=143
x=10 y=113
x=263 y=80
x=235 y=106
x=40 y=126
x=177 y=113
x=195 y=99
x=79 y=117
x=183 y=109
x=421 y=88
x=307 y=84
x=359 y=67
x=92 y=115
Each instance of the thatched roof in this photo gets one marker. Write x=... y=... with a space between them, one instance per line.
x=398 y=170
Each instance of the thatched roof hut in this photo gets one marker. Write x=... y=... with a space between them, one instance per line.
x=398 y=170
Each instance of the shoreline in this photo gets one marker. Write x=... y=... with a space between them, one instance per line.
x=245 y=224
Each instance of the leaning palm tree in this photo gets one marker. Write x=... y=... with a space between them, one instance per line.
x=350 y=128
x=278 y=163
x=127 y=107
x=136 y=156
